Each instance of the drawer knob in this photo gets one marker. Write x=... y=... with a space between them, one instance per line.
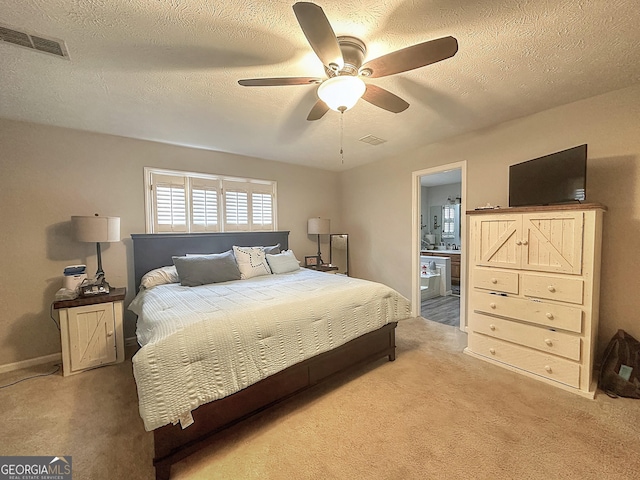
x=492 y=351
x=524 y=242
x=492 y=326
x=547 y=368
x=518 y=242
x=492 y=305
x=494 y=280
x=549 y=315
x=109 y=334
x=548 y=341
x=551 y=288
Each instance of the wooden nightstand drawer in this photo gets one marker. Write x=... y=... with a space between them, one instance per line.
x=553 y=288
x=543 y=339
x=548 y=366
x=541 y=313
x=498 y=280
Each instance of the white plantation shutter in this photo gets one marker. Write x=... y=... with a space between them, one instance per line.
x=170 y=205
x=196 y=202
x=262 y=208
x=205 y=209
x=448 y=226
x=236 y=206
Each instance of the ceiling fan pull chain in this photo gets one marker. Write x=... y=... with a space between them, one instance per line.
x=342 y=135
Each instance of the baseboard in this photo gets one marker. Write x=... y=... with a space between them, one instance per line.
x=53 y=358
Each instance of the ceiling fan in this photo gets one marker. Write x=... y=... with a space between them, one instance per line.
x=343 y=58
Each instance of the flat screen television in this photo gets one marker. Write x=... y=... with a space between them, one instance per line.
x=560 y=177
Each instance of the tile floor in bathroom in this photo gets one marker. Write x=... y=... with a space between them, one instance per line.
x=444 y=310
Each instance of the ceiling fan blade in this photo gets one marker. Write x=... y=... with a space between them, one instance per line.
x=318 y=111
x=320 y=35
x=276 y=82
x=412 y=57
x=384 y=99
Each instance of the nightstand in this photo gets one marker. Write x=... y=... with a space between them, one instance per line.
x=91 y=331
x=324 y=268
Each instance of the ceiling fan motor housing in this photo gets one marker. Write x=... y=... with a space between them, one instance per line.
x=353 y=52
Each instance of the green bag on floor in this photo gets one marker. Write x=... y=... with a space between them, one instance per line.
x=620 y=373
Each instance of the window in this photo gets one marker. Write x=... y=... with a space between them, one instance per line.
x=448 y=221
x=194 y=202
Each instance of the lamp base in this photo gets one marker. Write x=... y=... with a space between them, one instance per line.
x=94 y=286
x=319 y=252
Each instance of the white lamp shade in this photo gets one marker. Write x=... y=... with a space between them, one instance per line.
x=318 y=226
x=341 y=92
x=96 y=229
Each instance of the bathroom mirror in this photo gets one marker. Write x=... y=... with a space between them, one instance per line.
x=339 y=252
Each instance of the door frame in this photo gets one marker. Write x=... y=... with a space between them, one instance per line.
x=416 y=194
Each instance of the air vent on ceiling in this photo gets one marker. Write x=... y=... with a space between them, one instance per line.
x=371 y=140
x=33 y=42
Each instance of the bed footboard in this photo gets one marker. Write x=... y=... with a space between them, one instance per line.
x=172 y=443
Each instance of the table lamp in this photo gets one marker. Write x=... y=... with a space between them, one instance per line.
x=96 y=229
x=319 y=226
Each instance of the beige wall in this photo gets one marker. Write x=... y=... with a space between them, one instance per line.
x=48 y=174
x=377 y=198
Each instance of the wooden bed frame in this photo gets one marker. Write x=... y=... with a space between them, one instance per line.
x=171 y=442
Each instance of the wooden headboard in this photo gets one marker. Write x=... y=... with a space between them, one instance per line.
x=154 y=250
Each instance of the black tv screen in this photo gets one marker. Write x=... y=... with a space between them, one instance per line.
x=560 y=177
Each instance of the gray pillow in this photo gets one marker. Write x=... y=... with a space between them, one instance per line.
x=272 y=250
x=205 y=269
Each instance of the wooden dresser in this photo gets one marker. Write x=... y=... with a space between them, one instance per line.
x=534 y=291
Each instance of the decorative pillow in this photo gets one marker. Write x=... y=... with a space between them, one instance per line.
x=283 y=262
x=252 y=262
x=204 y=269
x=272 y=250
x=160 y=276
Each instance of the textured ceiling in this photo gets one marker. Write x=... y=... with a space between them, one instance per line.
x=167 y=70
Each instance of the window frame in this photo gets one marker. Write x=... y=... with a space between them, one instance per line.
x=251 y=185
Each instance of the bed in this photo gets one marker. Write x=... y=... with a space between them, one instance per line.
x=174 y=388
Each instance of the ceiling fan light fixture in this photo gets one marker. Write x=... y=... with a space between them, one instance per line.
x=342 y=92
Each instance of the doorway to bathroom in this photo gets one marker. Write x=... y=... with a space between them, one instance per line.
x=438 y=243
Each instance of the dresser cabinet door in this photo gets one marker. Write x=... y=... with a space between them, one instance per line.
x=544 y=242
x=496 y=240
x=552 y=242
x=92 y=340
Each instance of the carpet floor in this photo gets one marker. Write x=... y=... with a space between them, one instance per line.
x=434 y=413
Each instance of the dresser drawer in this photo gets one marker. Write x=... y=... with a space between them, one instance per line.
x=550 y=341
x=548 y=366
x=534 y=311
x=553 y=288
x=498 y=280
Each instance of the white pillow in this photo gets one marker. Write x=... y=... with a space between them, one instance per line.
x=160 y=276
x=251 y=262
x=283 y=262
